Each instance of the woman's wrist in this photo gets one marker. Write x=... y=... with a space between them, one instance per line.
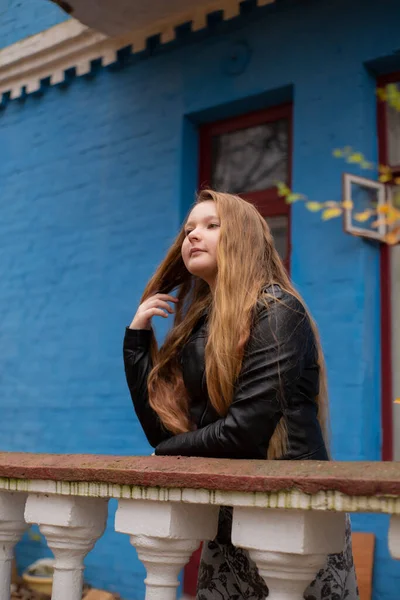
x=138 y=325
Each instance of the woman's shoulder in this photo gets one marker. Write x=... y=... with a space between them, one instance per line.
x=281 y=313
x=276 y=299
x=281 y=317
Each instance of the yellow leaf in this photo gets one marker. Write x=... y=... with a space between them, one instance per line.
x=363 y=216
x=385 y=177
x=383 y=209
x=337 y=153
x=384 y=169
x=314 y=206
x=397 y=401
x=331 y=204
x=393 y=96
x=347 y=204
x=366 y=165
x=331 y=213
x=392 y=237
x=356 y=157
x=378 y=222
x=392 y=219
x=294 y=197
x=283 y=189
x=397 y=180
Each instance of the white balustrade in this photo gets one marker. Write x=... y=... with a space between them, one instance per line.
x=394 y=536
x=288 y=546
x=165 y=534
x=71 y=527
x=288 y=533
x=12 y=526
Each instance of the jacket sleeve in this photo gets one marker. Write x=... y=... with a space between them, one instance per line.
x=272 y=363
x=137 y=363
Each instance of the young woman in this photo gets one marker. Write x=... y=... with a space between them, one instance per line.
x=240 y=375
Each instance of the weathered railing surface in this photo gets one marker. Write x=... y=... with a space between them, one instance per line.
x=289 y=515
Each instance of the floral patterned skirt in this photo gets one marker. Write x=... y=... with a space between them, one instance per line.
x=228 y=573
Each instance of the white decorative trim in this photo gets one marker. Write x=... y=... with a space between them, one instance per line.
x=72 y=44
x=47 y=54
x=294 y=499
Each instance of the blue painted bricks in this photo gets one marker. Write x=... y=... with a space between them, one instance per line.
x=95 y=179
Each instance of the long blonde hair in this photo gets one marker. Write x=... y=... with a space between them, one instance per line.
x=247 y=263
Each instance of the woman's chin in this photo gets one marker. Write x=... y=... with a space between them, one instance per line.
x=197 y=272
x=203 y=274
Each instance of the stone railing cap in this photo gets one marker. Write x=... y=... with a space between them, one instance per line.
x=351 y=478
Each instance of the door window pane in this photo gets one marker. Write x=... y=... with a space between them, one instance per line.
x=393 y=121
x=279 y=229
x=252 y=159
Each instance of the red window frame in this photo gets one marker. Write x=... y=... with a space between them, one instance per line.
x=267 y=201
x=386 y=307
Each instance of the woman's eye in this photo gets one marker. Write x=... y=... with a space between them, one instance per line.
x=213 y=225
x=188 y=231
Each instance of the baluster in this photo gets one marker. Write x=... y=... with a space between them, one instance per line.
x=165 y=534
x=12 y=526
x=71 y=526
x=289 y=547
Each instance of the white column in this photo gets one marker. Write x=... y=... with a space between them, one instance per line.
x=71 y=526
x=394 y=536
x=12 y=526
x=288 y=546
x=165 y=534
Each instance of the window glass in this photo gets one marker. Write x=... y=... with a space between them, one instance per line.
x=251 y=159
x=393 y=133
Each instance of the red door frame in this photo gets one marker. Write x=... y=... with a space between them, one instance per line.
x=386 y=304
x=268 y=203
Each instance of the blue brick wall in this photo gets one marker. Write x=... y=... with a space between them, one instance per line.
x=22 y=18
x=87 y=211
x=94 y=181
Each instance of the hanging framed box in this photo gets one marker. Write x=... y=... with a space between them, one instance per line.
x=363 y=201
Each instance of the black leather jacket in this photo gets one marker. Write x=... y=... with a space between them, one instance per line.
x=279 y=376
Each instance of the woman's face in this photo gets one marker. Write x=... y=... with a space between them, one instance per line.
x=199 y=248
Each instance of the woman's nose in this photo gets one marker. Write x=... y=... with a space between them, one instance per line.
x=194 y=235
